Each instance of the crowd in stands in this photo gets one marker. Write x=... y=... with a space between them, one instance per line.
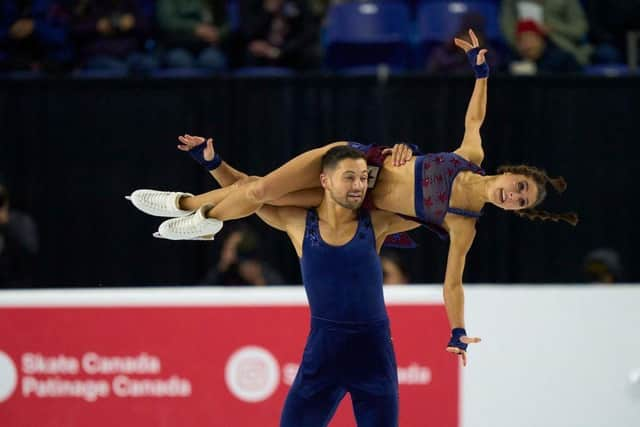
x=187 y=37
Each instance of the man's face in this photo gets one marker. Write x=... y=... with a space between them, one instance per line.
x=346 y=184
x=530 y=45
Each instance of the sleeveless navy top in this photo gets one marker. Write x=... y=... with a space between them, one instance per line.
x=434 y=175
x=343 y=283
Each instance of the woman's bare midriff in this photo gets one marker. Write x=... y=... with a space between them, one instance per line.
x=394 y=190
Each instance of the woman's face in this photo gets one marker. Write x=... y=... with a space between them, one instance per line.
x=514 y=192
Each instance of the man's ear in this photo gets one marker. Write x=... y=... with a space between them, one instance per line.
x=324 y=180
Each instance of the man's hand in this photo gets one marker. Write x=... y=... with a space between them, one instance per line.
x=458 y=343
x=400 y=154
x=189 y=142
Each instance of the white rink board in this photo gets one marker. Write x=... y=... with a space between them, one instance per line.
x=553 y=357
x=565 y=356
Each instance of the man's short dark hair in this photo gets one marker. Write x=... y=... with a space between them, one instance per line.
x=335 y=155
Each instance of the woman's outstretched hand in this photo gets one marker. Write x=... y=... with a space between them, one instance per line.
x=189 y=142
x=463 y=352
x=466 y=46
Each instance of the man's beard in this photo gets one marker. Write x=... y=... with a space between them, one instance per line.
x=345 y=202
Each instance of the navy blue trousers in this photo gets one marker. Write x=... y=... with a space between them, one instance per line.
x=345 y=358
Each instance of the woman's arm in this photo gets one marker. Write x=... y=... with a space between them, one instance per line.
x=477 y=107
x=453 y=291
x=471 y=147
x=462 y=232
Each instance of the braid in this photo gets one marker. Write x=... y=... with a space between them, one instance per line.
x=558 y=183
x=534 y=214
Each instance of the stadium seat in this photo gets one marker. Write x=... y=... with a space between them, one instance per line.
x=264 y=72
x=368 y=33
x=439 y=21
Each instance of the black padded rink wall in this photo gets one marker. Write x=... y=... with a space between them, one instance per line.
x=70 y=151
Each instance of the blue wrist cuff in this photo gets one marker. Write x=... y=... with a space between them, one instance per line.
x=481 y=70
x=197 y=154
x=456 y=333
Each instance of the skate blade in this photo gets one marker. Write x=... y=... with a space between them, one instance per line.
x=207 y=238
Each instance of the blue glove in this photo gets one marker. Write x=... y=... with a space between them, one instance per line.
x=198 y=155
x=481 y=70
x=456 y=333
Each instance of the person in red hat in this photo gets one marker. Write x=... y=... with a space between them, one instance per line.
x=546 y=35
x=538 y=54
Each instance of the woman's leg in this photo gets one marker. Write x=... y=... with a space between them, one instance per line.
x=192 y=203
x=300 y=173
x=309 y=198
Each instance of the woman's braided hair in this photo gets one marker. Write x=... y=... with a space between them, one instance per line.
x=541 y=179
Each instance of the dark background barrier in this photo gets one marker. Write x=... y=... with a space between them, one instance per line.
x=71 y=150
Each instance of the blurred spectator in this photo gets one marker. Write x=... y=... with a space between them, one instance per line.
x=609 y=22
x=240 y=263
x=448 y=58
x=18 y=245
x=394 y=269
x=281 y=33
x=602 y=266
x=34 y=36
x=110 y=35
x=193 y=32
x=547 y=35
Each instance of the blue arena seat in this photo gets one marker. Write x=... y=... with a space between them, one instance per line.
x=264 y=72
x=608 y=70
x=439 y=21
x=368 y=33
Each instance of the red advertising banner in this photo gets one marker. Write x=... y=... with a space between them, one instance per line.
x=218 y=365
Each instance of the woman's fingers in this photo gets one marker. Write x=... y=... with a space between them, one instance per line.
x=474 y=39
x=208 y=151
x=459 y=352
x=185 y=140
x=408 y=154
x=462 y=44
x=480 y=59
x=397 y=154
x=193 y=139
